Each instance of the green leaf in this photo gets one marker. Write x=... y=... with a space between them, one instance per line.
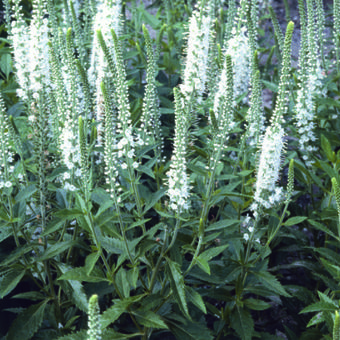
x=81 y=335
x=327 y=148
x=146 y=170
x=189 y=330
x=316 y=319
x=10 y=281
x=203 y=264
x=69 y=214
x=195 y=298
x=269 y=85
x=151 y=20
x=6 y=64
x=91 y=261
x=294 y=220
x=34 y=296
x=16 y=254
x=119 y=307
x=28 y=322
x=56 y=249
x=79 y=274
x=213 y=252
x=320 y=307
x=26 y=193
x=321 y=227
x=177 y=286
x=223 y=224
x=5 y=232
x=242 y=322
x=154 y=199
x=270 y=282
x=256 y=304
x=52 y=227
x=150 y=319
x=78 y=295
x=336 y=327
x=204 y=258
x=122 y=282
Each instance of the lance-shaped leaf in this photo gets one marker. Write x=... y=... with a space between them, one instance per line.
x=177 y=286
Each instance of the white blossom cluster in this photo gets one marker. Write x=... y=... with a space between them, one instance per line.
x=238 y=48
x=6 y=151
x=94 y=331
x=20 y=42
x=255 y=117
x=196 y=65
x=221 y=92
x=31 y=51
x=311 y=76
x=108 y=17
x=70 y=154
x=178 y=186
x=39 y=67
x=223 y=111
x=305 y=113
x=194 y=82
x=267 y=193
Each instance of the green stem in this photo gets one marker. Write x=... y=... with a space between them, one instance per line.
x=204 y=215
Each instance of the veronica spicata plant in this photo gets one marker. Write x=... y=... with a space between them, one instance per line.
x=270 y=158
x=127 y=172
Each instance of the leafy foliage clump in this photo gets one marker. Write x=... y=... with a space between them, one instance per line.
x=150 y=189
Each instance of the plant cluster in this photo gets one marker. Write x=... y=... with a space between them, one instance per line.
x=149 y=189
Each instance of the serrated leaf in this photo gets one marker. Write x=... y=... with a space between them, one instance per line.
x=16 y=254
x=104 y=206
x=195 y=298
x=294 y=220
x=10 y=281
x=69 y=213
x=56 y=249
x=28 y=322
x=146 y=170
x=270 y=282
x=138 y=223
x=81 y=335
x=336 y=327
x=119 y=307
x=223 y=224
x=204 y=265
x=154 y=199
x=79 y=274
x=52 y=227
x=177 y=286
x=132 y=276
x=91 y=261
x=242 y=322
x=256 y=304
x=5 y=232
x=26 y=193
x=189 y=330
x=321 y=227
x=122 y=282
x=78 y=295
x=6 y=64
x=34 y=296
x=320 y=306
x=151 y=20
x=212 y=252
x=269 y=85
x=327 y=148
x=150 y=319
x=316 y=319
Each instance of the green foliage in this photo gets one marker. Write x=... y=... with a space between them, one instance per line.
x=94 y=238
